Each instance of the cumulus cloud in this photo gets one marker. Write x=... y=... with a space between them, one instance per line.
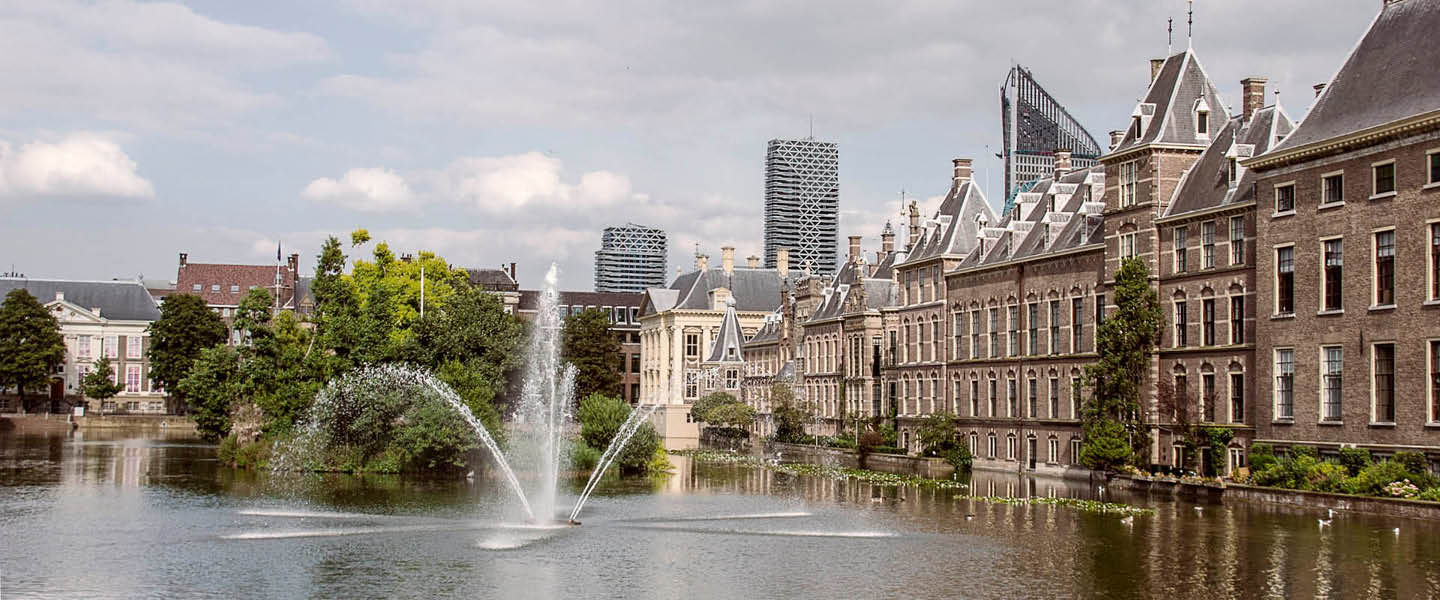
x=364 y=190
x=80 y=165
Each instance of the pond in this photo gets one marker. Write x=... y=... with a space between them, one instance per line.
x=120 y=514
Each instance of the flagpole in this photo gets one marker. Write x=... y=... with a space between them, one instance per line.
x=275 y=310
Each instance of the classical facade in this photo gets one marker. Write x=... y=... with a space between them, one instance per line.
x=98 y=319
x=1348 y=263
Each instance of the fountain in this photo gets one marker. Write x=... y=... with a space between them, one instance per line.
x=541 y=418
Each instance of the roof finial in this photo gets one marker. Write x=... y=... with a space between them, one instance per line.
x=1190 y=27
x=1169 y=35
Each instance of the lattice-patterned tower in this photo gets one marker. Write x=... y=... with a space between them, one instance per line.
x=802 y=202
x=1034 y=125
x=630 y=259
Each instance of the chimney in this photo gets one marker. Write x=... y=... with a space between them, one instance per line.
x=1319 y=87
x=512 y=272
x=294 y=263
x=727 y=259
x=1253 y=96
x=887 y=241
x=752 y=261
x=184 y=258
x=1155 y=65
x=914 y=226
x=1116 y=137
x=782 y=262
x=702 y=262
x=1062 y=163
x=855 y=249
x=962 y=170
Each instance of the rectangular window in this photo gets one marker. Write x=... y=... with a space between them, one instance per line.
x=82 y=347
x=1054 y=451
x=1434 y=159
x=1435 y=259
x=1012 y=397
x=1384 y=390
x=1207 y=332
x=1054 y=327
x=1054 y=397
x=1181 y=244
x=1285 y=280
x=1127 y=245
x=195 y=287
x=959 y=333
x=995 y=349
x=1182 y=324
x=974 y=398
x=1076 y=390
x=1384 y=178
x=112 y=346
x=635 y=362
x=1128 y=178
x=132 y=379
x=1237 y=319
x=133 y=346
x=1285 y=198
x=1237 y=397
x=1074 y=451
x=1385 y=268
x=1034 y=396
x=1032 y=317
x=1333 y=274
x=1207 y=245
x=1077 y=325
x=1284 y=383
x=1237 y=240
x=994 y=396
x=975 y=334
x=1202 y=123
x=1434 y=363
x=1332 y=189
x=1207 y=397
x=893 y=348
x=692 y=345
x=1332 y=359
x=1013 y=313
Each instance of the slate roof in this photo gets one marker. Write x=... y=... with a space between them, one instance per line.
x=729 y=340
x=1390 y=75
x=1031 y=229
x=1206 y=184
x=754 y=290
x=952 y=230
x=768 y=333
x=117 y=300
x=1169 y=106
x=495 y=280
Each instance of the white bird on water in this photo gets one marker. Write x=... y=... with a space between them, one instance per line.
x=1331 y=513
x=1127 y=521
x=1324 y=522
x=1397 y=531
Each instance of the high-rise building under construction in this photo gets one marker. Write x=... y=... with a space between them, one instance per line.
x=1034 y=126
x=802 y=202
x=631 y=258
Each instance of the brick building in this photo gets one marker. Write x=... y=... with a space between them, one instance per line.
x=222 y=286
x=1348 y=343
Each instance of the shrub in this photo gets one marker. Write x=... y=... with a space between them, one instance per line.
x=583 y=457
x=600 y=419
x=1105 y=447
x=1325 y=477
x=959 y=457
x=1372 y=479
x=1261 y=457
x=432 y=438
x=1402 y=489
x=1432 y=494
x=1354 y=459
x=869 y=441
x=1413 y=462
x=659 y=462
x=636 y=456
x=1298 y=451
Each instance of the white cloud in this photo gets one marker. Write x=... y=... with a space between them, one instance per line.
x=80 y=165
x=364 y=190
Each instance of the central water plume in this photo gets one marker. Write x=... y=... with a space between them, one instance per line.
x=545 y=410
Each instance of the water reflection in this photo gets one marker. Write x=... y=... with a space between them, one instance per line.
x=116 y=514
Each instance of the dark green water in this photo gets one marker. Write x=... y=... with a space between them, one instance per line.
x=118 y=516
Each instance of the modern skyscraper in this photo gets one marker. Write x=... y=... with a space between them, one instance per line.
x=802 y=202
x=630 y=259
x=1034 y=126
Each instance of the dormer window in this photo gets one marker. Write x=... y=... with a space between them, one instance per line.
x=1202 y=123
x=1135 y=127
x=1234 y=171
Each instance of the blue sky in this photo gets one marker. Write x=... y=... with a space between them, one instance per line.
x=503 y=131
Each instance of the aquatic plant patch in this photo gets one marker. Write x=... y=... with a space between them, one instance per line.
x=1095 y=506
x=865 y=475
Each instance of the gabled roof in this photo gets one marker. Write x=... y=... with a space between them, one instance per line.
x=1032 y=229
x=952 y=231
x=754 y=290
x=117 y=300
x=729 y=340
x=1390 y=75
x=1207 y=184
x=495 y=280
x=1169 y=106
x=768 y=333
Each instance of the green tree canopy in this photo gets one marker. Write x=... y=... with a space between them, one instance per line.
x=1125 y=342
x=595 y=351
x=213 y=386
x=30 y=343
x=100 y=383
x=700 y=410
x=789 y=413
x=937 y=434
x=600 y=419
x=185 y=328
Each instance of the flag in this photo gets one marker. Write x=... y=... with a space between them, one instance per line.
x=277 y=252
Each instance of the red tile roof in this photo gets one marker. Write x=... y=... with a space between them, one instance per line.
x=237 y=277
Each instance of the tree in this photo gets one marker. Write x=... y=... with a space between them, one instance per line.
x=30 y=343
x=732 y=415
x=595 y=351
x=700 y=410
x=359 y=237
x=472 y=333
x=185 y=328
x=213 y=386
x=1125 y=342
x=600 y=419
x=790 y=414
x=99 y=384
x=937 y=434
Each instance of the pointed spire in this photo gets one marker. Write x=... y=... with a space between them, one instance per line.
x=729 y=339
